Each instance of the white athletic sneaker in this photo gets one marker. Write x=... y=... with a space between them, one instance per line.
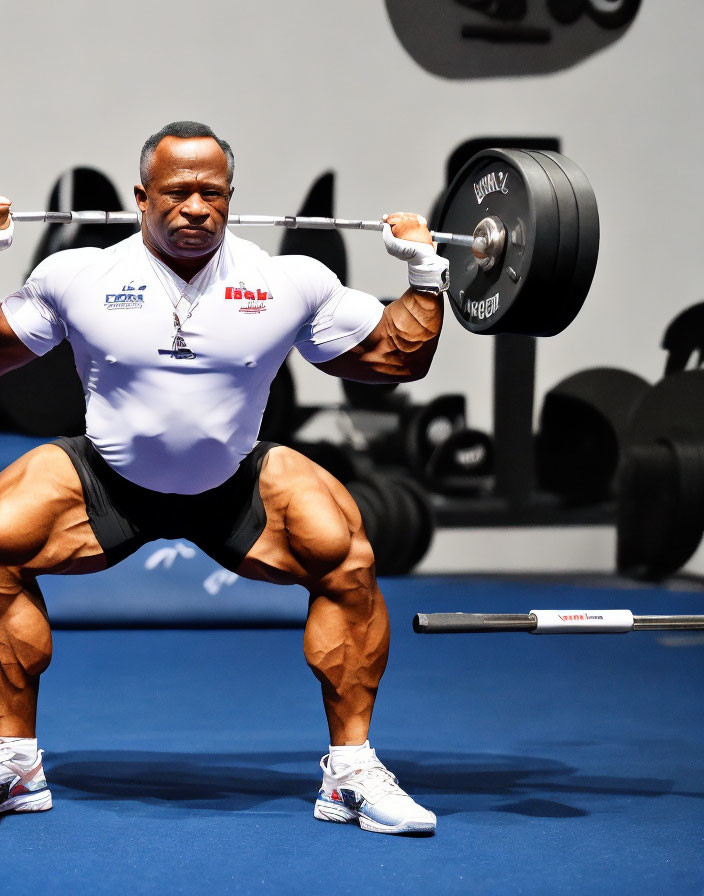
x=22 y=790
x=369 y=794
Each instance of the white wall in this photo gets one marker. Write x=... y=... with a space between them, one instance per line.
x=301 y=87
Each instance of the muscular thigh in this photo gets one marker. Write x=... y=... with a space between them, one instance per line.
x=312 y=521
x=44 y=526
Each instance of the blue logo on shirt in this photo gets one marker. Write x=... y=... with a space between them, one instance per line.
x=130 y=297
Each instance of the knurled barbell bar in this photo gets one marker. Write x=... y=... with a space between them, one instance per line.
x=520 y=229
x=293 y=222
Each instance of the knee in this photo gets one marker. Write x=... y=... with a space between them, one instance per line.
x=357 y=571
x=351 y=584
x=25 y=638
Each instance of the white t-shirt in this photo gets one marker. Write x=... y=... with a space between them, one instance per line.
x=173 y=424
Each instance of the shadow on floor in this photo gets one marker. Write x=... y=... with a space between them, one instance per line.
x=242 y=781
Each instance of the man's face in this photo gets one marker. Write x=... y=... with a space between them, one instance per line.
x=186 y=202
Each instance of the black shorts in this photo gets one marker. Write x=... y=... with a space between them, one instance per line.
x=224 y=521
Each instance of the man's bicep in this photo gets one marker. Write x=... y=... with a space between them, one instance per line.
x=13 y=352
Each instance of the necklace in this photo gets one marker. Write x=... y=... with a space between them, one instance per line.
x=179 y=348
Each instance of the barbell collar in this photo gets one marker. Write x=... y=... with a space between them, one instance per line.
x=291 y=222
x=489 y=239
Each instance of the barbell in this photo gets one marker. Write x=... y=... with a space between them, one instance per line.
x=291 y=221
x=552 y=622
x=520 y=229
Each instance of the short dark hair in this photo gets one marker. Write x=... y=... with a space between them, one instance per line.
x=184 y=130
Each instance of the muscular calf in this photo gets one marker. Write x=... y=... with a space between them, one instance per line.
x=314 y=537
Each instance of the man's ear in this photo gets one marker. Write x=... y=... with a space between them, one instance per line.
x=140 y=194
x=232 y=190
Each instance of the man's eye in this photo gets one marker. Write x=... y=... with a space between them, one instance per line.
x=213 y=194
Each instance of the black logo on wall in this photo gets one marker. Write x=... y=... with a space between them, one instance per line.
x=499 y=38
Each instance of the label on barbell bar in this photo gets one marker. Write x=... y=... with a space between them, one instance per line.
x=494 y=182
x=565 y=622
x=484 y=309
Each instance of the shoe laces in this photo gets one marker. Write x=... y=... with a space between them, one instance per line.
x=377 y=779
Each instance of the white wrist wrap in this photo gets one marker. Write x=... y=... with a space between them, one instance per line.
x=426 y=269
x=429 y=274
x=6 y=236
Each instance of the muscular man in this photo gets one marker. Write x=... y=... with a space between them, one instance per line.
x=176 y=378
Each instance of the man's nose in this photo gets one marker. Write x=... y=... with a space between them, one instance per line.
x=195 y=207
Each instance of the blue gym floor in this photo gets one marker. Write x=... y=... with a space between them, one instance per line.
x=186 y=761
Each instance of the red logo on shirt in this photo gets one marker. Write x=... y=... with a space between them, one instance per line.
x=253 y=301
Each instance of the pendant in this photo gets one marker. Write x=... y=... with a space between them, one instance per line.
x=179 y=349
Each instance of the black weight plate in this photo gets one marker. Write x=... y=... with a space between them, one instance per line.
x=338 y=460
x=563 y=280
x=669 y=414
x=690 y=463
x=588 y=235
x=647 y=507
x=660 y=509
x=371 y=510
x=513 y=187
x=583 y=422
x=671 y=407
x=392 y=530
x=426 y=529
x=402 y=559
x=533 y=313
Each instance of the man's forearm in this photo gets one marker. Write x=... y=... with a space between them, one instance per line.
x=402 y=345
x=412 y=328
x=413 y=322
